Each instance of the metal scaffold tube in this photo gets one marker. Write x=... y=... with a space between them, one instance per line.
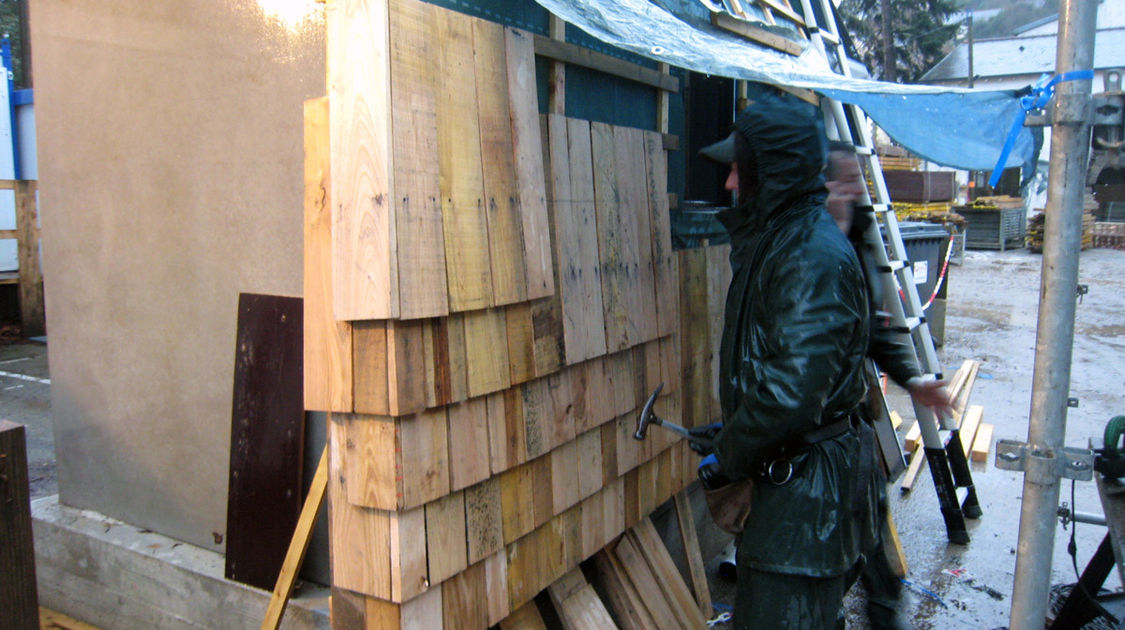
x=1071 y=117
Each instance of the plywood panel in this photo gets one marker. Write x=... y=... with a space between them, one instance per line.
x=464 y=219
x=418 y=217
x=328 y=343
x=364 y=274
x=524 y=109
x=502 y=202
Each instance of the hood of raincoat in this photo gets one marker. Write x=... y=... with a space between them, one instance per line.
x=786 y=138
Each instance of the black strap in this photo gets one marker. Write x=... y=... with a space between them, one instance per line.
x=827 y=431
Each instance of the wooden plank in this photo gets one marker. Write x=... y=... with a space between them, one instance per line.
x=686 y=520
x=524 y=108
x=718 y=281
x=591 y=522
x=359 y=537
x=666 y=283
x=496 y=585
x=484 y=519
x=525 y=617
x=486 y=351
x=327 y=343
x=547 y=328
x=636 y=233
x=287 y=576
x=435 y=346
x=583 y=241
x=368 y=445
x=446 y=546
x=53 y=619
x=917 y=460
x=423 y=457
x=521 y=343
x=464 y=219
x=469 y=460
x=498 y=454
x=748 y=30
x=536 y=406
x=982 y=442
x=968 y=429
x=364 y=260
x=579 y=56
x=409 y=565
x=588 y=450
x=608 y=433
x=542 y=493
x=517 y=502
x=458 y=360
x=524 y=568
x=267 y=438
x=369 y=367
x=562 y=417
x=556 y=80
x=892 y=546
x=645 y=582
x=913 y=436
x=896 y=420
x=355 y=610
x=622 y=382
x=694 y=336
x=613 y=509
x=418 y=218
x=578 y=605
x=668 y=577
x=575 y=246
x=611 y=243
x=464 y=599
x=623 y=598
x=19 y=597
x=564 y=476
x=502 y=202
x=406 y=372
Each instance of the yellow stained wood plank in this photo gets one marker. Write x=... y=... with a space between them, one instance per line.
x=418 y=219
x=446 y=542
x=892 y=546
x=913 y=436
x=576 y=242
x=686 y=519
x=543 y=499
x=496 y=586
x=917 y=461
x=612 y=245
x=359 y=537
x=666 y=282
x=982 y=442
x=469 y=460
x=521 y=342
x=645 y=582
x=896 y=420
x=364 y=260
x=502 y=202
x=409 y=576
x=484 y=519
x=486 y=351
x=464 y=599
x=328 y=343
x=464 y=219
x=50 y=620
x=525 y=567
x=517 y=502
x=524 y=108
x=968 y=430
x=636 y=232
x=578 y=605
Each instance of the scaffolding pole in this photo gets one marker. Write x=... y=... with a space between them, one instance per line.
x=1070 y=142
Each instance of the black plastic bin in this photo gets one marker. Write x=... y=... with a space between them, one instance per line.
x=926 y=244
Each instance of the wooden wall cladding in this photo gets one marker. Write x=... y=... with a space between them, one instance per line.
x=480 y=432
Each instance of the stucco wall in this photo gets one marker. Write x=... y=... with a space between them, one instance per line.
x=170 y=162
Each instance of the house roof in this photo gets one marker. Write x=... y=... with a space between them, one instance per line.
x=1018 y=56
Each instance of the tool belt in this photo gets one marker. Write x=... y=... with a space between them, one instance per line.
x=778 y=470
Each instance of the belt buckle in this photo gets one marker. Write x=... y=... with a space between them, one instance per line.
x=779 y=471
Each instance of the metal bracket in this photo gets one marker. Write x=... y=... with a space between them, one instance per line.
x=1104 y=109
x=1045 y=465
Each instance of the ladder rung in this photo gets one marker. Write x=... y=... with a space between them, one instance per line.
x=909 y=325
x=893 y=265
x=862 y=150
x=880 y=207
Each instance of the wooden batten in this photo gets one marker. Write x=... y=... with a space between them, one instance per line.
x=327 y=342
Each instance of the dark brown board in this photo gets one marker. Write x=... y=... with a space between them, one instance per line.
x=19 y=605
x=267 y=438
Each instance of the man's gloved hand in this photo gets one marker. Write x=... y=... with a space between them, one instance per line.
x=711 y=474
x=703 y=438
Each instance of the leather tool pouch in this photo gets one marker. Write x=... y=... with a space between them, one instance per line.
x=730 y=504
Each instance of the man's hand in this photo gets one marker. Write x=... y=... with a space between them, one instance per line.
x=711 y=474
x=703 y=438
x=932 y=394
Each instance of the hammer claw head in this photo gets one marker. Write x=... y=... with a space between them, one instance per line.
x=647 y=416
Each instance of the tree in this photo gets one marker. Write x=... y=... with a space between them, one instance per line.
x=912 y=34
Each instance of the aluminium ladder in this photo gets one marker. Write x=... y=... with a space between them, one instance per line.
x=948 y=465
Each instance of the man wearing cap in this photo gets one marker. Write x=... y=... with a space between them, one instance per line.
x=791 y=373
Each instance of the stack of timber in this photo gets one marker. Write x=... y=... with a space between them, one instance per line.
x=893 y=158
x=976 y=436
x=1109 y=235
x=1037 y=223
x=490 y=296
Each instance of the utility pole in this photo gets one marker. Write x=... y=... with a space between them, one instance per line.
x=1070 y=124
x=889 y=71
x=970 y=20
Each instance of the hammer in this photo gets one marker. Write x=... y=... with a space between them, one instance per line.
x=647 y=417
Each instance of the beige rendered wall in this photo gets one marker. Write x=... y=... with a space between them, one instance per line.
x=170 y=161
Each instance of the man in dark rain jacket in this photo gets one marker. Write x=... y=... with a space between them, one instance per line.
x=791 y=373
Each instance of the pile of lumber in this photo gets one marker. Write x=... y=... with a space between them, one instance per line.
x=936 y=212
x=490 y=297
x=1037 y=223
x=1108 y=235
x=996 y=202
x=975 y=435
x=892 y=158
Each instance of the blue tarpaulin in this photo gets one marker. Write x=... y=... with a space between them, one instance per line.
x=954 y=127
